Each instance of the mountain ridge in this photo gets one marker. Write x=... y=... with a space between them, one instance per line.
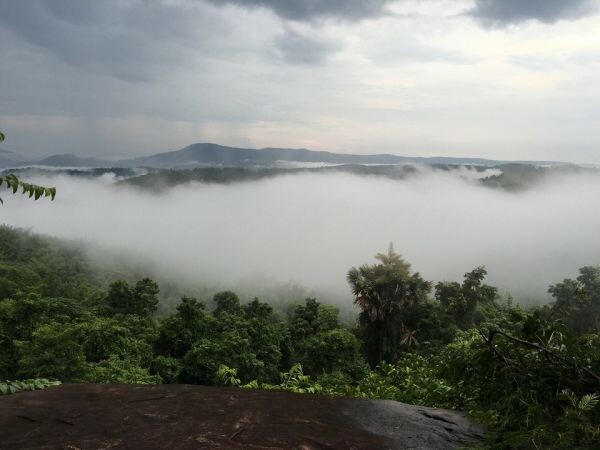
x=209 y=154
x=206 y=154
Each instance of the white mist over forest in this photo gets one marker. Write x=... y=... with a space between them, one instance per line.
x=311 y=228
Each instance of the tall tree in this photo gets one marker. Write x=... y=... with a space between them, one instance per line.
x=390 y=298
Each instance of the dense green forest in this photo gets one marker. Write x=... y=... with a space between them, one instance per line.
x=530 y=375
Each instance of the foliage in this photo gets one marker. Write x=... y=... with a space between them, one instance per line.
x=54 y=351
x=294 y=380
x=461 y=301
x=227 y=376
x=579 y=300
x=200 y=364
x=12 y=387
x=319 y=344
x=13 y=183
x=331 y=351
x=32 y=190
x=140 y=300
x=117 y=370
x=390 y=298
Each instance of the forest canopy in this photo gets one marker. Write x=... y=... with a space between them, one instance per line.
x=530 y=375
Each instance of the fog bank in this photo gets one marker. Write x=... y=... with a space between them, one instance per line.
x=311 y=228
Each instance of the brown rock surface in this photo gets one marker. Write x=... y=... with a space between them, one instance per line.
x=88 y=416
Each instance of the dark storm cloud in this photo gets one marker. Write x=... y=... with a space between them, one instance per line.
x=128 y=40
x=304 y=10
x=505 y=12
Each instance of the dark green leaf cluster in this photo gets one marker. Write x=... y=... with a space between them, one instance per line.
x=12 y=387
x=32 y=190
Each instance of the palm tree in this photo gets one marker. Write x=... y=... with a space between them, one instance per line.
x=387 y=294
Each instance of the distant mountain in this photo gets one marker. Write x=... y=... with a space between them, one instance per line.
x=9 y=159
x=214 y=155
x=70 y=160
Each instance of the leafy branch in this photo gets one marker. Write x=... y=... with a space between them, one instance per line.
x=552 y=357
x=33 y=190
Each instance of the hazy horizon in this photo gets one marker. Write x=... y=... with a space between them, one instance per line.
x=24 y=156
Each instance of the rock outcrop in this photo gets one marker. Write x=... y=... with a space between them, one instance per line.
x=177 y=417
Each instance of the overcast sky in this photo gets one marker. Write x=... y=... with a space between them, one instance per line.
x=506 y=79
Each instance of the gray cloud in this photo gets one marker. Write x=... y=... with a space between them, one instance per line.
x=303 y=10
x=304 y=49
x=129 y=40
x=505 y=12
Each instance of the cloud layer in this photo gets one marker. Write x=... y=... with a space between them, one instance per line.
x=312 y=228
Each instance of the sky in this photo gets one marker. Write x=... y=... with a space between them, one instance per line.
x=501 y=79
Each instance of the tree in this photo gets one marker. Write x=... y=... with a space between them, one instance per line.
x=139 y=300
x=337 y=350
x=390 y=298
x=231 y=348
x=180 y=331
x=461 y=301
x=54 y=351
x=312 y=318
x=578 y=301
x=268 y=339
x=227 y=303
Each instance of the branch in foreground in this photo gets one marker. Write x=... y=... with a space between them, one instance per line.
x=547 y=352
x=33 y=190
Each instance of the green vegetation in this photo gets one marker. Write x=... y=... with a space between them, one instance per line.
x=32 y=190
x=531 y=376
x=513 y=177
x=12 y=387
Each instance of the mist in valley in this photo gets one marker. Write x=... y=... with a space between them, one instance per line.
x=301 y=233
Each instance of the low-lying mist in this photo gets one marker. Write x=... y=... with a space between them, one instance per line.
x=311 y=228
